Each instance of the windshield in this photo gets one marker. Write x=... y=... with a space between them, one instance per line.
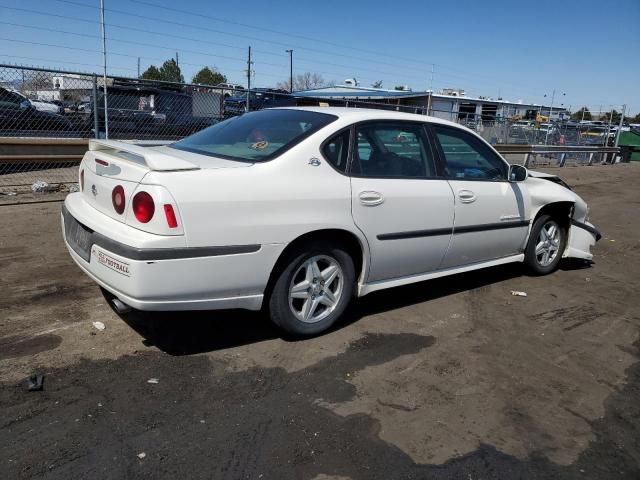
x=256 y=136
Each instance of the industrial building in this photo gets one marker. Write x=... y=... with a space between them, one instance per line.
x=449 y=104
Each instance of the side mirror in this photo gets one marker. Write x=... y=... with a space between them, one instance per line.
x=517 y=173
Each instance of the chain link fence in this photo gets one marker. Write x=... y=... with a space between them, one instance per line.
x=41 y=105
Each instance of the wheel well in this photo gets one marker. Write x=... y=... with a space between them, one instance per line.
x=346 y=239
x=561 y=211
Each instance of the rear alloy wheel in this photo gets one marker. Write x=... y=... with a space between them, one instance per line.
x=546 y=244
x=313 y=290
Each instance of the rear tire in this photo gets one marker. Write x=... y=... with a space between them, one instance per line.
x=546 y=245
x=313 y=289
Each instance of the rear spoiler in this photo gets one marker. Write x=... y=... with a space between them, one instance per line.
x=142 y=155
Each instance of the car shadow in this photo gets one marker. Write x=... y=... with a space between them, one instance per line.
x=193 y=332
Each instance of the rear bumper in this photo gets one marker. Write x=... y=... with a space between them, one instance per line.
x=582 y=237
x=179 y=278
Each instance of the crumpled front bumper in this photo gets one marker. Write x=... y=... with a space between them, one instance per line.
x=582 y=237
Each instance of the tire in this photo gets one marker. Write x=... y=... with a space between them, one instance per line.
x=307 y=300
x=543 y=253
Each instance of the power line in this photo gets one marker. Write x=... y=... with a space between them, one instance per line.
x=302 y=59
x=40 y=59
x=129 y=42
x=259 y=39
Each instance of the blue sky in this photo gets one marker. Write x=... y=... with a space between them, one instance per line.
x=586 y=49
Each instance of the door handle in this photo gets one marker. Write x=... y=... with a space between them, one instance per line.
x=466 y=196
x=371 y=199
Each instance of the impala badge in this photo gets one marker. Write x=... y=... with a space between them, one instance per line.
x=94 y=190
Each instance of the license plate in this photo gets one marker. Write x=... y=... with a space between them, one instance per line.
x=78 y=237
x=111 y=263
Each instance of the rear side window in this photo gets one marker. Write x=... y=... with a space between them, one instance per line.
x=467 y=157
x=336 y=151
x=393 y=149
x=256 y=136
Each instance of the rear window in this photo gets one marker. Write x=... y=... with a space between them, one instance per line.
x=256 y=136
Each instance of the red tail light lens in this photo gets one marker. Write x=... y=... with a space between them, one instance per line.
x=82 y=180
x=117 y=198
x=172 y=221
x=143 y=207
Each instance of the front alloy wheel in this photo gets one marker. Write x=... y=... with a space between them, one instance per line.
x=547 y=242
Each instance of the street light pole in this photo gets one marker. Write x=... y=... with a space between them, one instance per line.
x=290 y=52
x=546 y=137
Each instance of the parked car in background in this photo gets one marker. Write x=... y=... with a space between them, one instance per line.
x=19 y=114
x=142 y=111
x=299 y=210
x=230 y=89
x=260 y=98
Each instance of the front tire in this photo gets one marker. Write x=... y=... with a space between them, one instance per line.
x=547 y=242
x=313 y=290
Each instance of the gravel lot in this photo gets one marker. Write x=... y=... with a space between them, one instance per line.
x=451 y=378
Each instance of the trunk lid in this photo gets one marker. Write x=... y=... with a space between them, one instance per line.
x=110 y=163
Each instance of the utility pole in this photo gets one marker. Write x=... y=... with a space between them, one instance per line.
x=624 y=110
x=104 y=73
x=177 y=60
x=430 y=101
x=138 y=67
x=290 y=52
x=249 y=80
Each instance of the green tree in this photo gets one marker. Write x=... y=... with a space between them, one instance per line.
x=168 y=72
x=614 y=115
x=152 y=73
x=578 y=115
x=209 y=76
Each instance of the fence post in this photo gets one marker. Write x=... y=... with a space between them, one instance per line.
x=563 y=159
x=94 y=106
x=526 y=160
x=590 y=159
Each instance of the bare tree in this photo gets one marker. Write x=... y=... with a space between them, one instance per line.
x=304 y=81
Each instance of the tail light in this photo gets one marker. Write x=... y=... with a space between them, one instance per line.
x=82 y=180
x=172 y=221
x=143 y=207
x=117 y=198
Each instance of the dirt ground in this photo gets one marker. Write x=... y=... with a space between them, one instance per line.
x=452 y=378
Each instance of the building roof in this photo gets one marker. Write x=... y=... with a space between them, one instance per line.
x=369 y=93
x=346 y=91
x=371 y=114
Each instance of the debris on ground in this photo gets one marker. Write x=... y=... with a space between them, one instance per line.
x=35 y=383
x=73 y=188
x=142 y=455
x=8 y=194
x=516 y=293
x=42 y=187
x=153 y=380
x=98 y=325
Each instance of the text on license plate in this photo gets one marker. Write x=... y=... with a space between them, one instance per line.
x=110 y=262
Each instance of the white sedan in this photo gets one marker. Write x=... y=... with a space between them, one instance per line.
x=298 y=210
